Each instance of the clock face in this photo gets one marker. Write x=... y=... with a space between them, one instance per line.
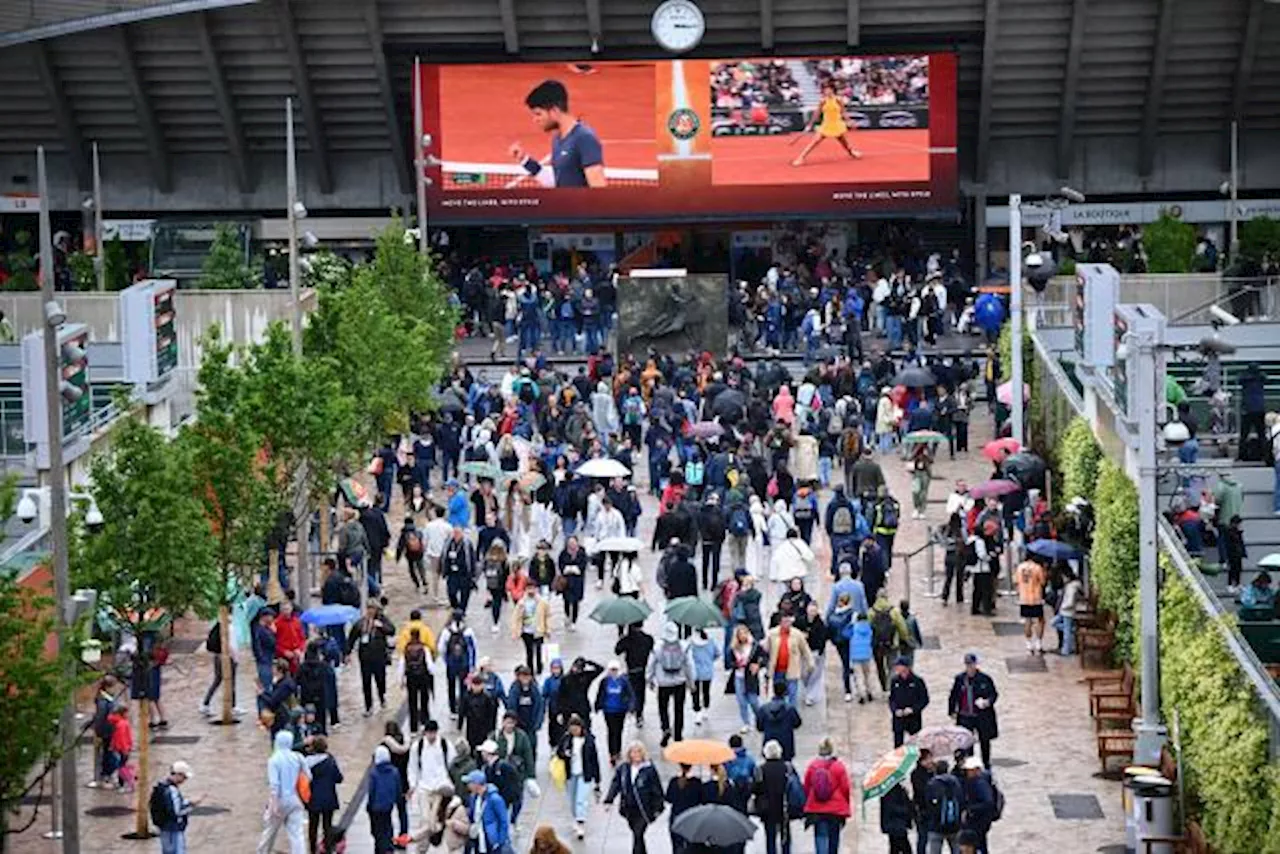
x=678 y=25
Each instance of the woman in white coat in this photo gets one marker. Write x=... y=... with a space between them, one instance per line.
x=792 y=558
x=604 y=412
x=759 y=536
x=609 y=524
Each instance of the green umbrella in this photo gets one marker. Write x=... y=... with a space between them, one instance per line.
x=694 y=612
x=485 y=470
x=622 y=611
x=924 y=437
x=890 y=770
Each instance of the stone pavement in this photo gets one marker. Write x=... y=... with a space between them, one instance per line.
x=1045 y=753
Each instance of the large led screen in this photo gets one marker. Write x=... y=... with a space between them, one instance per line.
x=682 y=139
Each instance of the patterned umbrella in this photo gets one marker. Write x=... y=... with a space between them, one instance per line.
x=706 y=429
x=942 y=740
x=890 y=770
x=923 y=437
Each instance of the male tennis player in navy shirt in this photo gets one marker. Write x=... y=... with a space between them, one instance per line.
x=577 y=159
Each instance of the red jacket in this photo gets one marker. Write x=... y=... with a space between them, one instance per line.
x=290 y=636
x=121 y=734
x=838 y=805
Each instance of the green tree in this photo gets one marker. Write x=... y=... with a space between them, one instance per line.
x=1079 y=456
x=20 y=261
x=1170 y=245
x=225 y=267
x=116 y=258
x=232 y=479
x=1113 y=559
x=84 y=275
x=1259 y=237
x=153 y=559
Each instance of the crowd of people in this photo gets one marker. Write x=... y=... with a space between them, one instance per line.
x=504 y=530
x=742 y=84
x=876 y=81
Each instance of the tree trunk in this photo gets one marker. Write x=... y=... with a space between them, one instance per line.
x=228 y=678
x=302 y=580
x=325 y=536
x=275 y=594
x=142 y=819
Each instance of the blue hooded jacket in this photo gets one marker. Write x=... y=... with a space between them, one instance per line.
x=494 y=819
x=742 y=767
x=614 y=696
x=384 y=782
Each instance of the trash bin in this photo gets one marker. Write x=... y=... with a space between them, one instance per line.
x=1153 y=811
x=1132 y=773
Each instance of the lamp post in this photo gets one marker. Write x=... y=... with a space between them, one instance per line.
x=419 y=155
x=100 y=268
x=296 y=210
x=1015 y=317
x=55 y=476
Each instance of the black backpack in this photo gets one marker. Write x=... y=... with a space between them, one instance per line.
x=882 y=628
x=161 y=806
x=415 y=661
x=456 y=651
x=948 y=805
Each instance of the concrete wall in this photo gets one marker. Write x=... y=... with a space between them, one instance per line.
x=243 y=315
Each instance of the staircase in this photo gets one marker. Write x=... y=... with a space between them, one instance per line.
x=806 y=82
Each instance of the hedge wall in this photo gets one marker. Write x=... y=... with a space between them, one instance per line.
x=1233 y=788
x=1079 y=457
x=1113 y=561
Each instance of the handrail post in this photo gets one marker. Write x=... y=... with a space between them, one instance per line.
x=932 y=543
x=906 y=577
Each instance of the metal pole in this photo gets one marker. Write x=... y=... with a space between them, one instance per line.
x=1015 y=313
x=1235 y=189
x=291 y=170
x=101 y=266
x=930 y=558
x=302 y=524
x=1151 y=735
x=69 y=794
x=419 y=152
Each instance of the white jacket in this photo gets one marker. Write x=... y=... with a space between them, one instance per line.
x=429 y=764
x=435 y=535
x=630 y=577
x=791 y=558
x=609 y=523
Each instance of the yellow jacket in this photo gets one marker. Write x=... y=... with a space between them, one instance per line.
x=425 y=634
x=541 y=619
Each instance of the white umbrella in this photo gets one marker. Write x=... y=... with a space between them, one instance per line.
x=618 y=544
x=603 y=468
x=791 y=559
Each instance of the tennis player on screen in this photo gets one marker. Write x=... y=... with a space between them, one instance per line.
x=577 y=159
x=828 y=123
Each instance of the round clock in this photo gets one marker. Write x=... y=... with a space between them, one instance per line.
x=678 y=25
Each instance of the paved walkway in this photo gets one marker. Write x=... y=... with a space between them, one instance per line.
x=1044 y=754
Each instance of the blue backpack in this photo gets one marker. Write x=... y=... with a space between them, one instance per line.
x=796 y=797
x=739 y=520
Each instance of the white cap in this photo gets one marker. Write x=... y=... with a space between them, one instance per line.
x=181 y=767
x=491 y=746
x=972 y=763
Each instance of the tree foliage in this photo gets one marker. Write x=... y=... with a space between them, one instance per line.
x=1113 y=560
x=1260 y=237
x=1079 y=457
x=225 y=266
x=37 y=685
x=1170 y=244
x=1224 y=734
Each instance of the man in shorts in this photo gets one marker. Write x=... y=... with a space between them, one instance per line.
x=1030 y=578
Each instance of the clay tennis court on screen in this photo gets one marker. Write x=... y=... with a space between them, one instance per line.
x=483 y=113
x=888 y=156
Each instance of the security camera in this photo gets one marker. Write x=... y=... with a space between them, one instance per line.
x=27 y=509
x=299 y=210
x=1033 y=262
x=426 y=140
x=309 y=240
x=595 y=44
x=1176 y=433
x=1223 y=316
x=1071 y=195
x=54 y=316
x=88 y=203
x=1224 y=188
x=93 y=519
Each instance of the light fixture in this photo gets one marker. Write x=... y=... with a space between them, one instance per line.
x=1213 y=345
x=309 y=240
x=54 y=316
x=299 y=210
x=426 y=140
x=1071 y=194
x=88 y=203
x=93 y=516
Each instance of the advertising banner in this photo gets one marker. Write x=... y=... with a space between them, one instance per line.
x=691 y=139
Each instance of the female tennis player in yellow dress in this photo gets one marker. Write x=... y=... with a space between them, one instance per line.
x=828 y=123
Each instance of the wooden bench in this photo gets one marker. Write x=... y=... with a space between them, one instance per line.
x=1097 y=642
x=1191 y=842
x=1113 y=743
x=1112 y=696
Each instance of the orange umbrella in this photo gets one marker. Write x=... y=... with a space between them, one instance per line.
x=698 y=751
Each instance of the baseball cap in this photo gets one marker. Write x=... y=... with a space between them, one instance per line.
x=475 y=778
x=488 y=746
x=181 y=767
x=972 y=763
x=970 y=658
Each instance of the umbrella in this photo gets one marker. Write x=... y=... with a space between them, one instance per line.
x=718 y=826
x=625 y=545
x=698 y=751
x=997 y=449
x=1026 y=468
x=354 y=493
x=603 y=467
x=994 y=489
x=330 y=615
x=1053 y=549
x=923 y=437
x=694 y=612
x=621 y=611
x=1271 y=561
x=706 y=430
x=450 y=400
x=1004 y=393
x=890 y=770
x=729 y=403
x=915 y=378
x=943 y=740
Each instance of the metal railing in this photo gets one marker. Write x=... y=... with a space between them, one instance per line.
x=1246 y=300
x=929 y=549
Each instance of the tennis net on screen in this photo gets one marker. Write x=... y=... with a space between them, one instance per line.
x=512 y=176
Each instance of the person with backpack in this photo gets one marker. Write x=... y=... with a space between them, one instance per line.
x=804 y=512
x=104 y=703
x=770 y=785
x=638 y=789
x=972 y=703
x=671 y=675
x=887 y=630
x=840 y=526
x=285 y=807
x=827 y=790
x=908 y=696
x=170 y=810
x=429 y=761
x=213 y=645
x=317 y=686
x=740 y=530
x=886 y=516
x=712 y=528
x=412 y=547
x=982 y=801
x=503 y=774
x=416 y=664
x=516 y=745
x=778 y=721
x=943 y=811
x=459 y=645
x=325 y=778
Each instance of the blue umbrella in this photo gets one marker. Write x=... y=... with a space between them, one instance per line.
x=1053 y=549
x=330 y=615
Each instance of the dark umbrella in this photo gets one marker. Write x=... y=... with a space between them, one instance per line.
x=450 y=401
x=915 y=378
x=1026 y=468
x=1053 y=549
x=729 y=403
x=713 y=824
